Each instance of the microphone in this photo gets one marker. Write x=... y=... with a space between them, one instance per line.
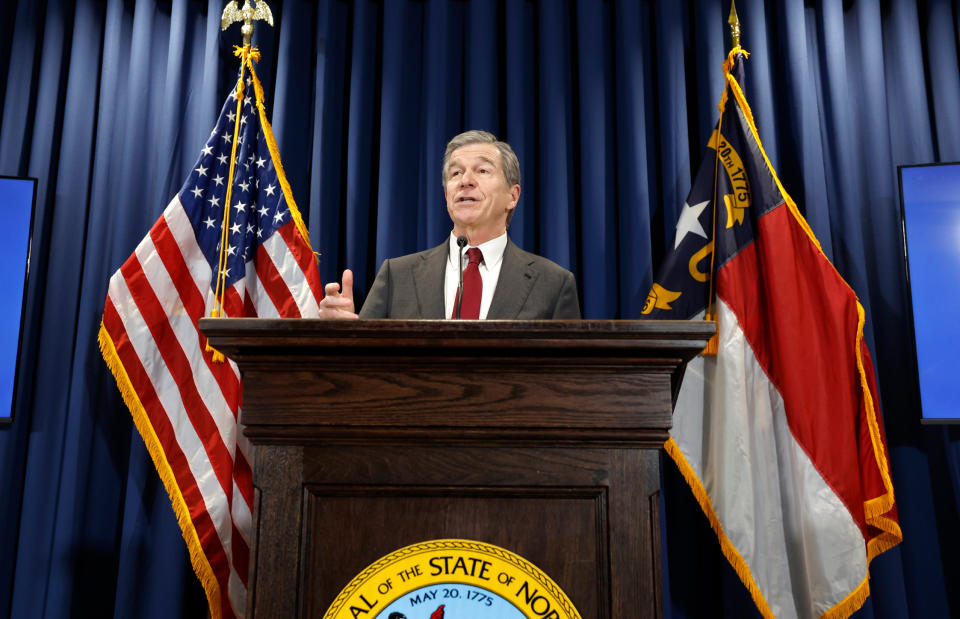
x=461 y=243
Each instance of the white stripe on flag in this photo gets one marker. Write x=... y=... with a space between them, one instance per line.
x=207 y=386
x=237 y=593
x=286 y=265
x=214 y=498
x=261 y=301
x=200 y=271
x=182 y=231
x=140 y=338
x=296 y=279
x=243 y=443
x=730 y=423
x=292 y=275
x=242 y=516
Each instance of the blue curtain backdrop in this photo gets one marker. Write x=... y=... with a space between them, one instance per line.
x=608 y=105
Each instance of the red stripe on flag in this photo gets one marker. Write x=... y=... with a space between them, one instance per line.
x=178 y=365
x=233 y=304
x=274 y=285
x=157 y=417
x=304 y=257
x=241 y=555
x=193 y=302
x=244 y=477
x=190 y=296
x=801 y=320
x=249 y=309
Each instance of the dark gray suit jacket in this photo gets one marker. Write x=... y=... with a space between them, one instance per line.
x=529 y=287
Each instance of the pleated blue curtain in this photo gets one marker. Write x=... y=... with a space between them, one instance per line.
x=607 y=104
x=99 y=100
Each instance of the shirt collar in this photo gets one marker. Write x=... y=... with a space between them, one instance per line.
x=492 y=250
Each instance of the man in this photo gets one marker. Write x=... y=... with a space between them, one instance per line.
x=481 y=180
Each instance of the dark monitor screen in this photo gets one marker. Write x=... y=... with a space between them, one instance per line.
x=16 y=208
x=930 y=203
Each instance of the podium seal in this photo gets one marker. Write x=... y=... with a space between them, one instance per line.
x=452 y=579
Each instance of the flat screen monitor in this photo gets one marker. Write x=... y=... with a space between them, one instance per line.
x=930 y=206
x=17 y=196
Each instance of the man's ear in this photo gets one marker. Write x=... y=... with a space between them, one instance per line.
x=514 y=196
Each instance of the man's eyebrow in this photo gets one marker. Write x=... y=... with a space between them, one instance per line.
x=457 y=163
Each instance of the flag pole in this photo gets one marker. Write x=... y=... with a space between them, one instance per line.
x=710 y=314
x=231 y=14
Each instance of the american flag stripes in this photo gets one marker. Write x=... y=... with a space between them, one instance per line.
x=184 y=404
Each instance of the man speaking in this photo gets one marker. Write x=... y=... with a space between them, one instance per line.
x=481 y=181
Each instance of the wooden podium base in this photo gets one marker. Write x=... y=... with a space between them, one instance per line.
x=538 y=437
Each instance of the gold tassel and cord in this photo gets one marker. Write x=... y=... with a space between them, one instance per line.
x=249 y=55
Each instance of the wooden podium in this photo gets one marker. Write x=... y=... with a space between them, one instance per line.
x=541 y=437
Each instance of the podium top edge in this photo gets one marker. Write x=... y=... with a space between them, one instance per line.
x=291 y=330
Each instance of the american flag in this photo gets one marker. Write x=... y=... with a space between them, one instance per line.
x=184 y=404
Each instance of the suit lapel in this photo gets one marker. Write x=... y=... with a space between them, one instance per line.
x=517 y=276
x=428 y=277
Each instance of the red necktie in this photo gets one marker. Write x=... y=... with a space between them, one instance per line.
x=472 y=287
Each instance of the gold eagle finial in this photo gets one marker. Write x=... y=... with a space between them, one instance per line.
x=248 y=14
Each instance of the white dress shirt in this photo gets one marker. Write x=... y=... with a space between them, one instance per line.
x=489 y=272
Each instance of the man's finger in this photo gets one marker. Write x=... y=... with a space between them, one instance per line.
x=336 y=314
x=331 y=290
x=338 y=302
x=347 y=283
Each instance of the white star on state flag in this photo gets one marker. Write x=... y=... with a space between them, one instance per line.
x=690 y=222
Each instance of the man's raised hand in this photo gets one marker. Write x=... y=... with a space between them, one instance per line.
x=337 y=302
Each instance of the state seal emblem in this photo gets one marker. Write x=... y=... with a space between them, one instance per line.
x=452 y=579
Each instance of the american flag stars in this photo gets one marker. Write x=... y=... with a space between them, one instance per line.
x=255 y=213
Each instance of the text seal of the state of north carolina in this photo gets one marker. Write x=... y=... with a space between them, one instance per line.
x=452 y=579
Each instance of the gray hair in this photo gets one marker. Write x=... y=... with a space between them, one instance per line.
x=508 y=159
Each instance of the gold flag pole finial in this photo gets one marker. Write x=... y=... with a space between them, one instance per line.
x=734 y=22
x=248 y=14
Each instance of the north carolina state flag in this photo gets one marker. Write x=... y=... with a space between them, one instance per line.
x=779 y=434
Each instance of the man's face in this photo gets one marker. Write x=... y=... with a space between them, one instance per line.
x=478 y=198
